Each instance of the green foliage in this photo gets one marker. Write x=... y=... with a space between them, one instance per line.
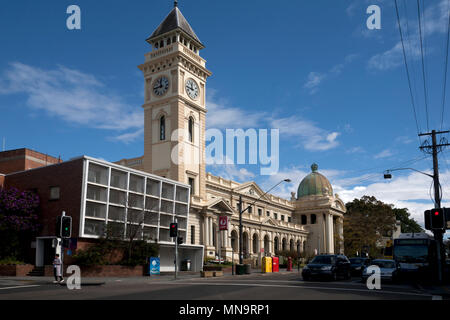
x=408 y=224
x=10 y=261
x=140 y=254
x=104 y=251
x=366 y=221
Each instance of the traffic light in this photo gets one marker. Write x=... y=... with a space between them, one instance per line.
x=173 y=230
x=437 y=219
x=66 y=227
x=180 y=240
x=427 y=219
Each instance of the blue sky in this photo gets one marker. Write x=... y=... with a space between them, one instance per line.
x=337 y=91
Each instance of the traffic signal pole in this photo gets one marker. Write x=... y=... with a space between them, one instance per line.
x=438 y=234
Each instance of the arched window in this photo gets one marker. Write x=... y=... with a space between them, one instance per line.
x=191 y=129
x=162 y=128
x=255 y=243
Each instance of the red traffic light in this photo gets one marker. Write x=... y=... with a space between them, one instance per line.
x=436 y=213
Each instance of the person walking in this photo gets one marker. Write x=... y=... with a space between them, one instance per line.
x=57 y=269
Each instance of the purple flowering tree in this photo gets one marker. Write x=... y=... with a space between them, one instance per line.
x=18 y=221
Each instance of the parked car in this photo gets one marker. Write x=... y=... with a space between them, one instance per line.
x=358 y=264
x=388 y=270
x=330 y=266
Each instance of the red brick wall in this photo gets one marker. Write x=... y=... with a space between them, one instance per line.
x=16 y=270
x=68 y=176
x=19 y=160
x=2 y=180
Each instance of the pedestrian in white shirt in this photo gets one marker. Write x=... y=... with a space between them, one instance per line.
x=57 y=270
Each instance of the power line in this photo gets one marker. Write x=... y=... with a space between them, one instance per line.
x=407 y=69
x=423 y=64
x=446 y=65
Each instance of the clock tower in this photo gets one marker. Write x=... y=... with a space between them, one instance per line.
x=174 y=108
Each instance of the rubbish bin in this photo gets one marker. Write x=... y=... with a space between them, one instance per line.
x=240 y=269
x=266 y=264
x=275 y=264
x=247 y=268
x=186 y=265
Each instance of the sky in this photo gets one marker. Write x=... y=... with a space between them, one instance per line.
x=337 y=92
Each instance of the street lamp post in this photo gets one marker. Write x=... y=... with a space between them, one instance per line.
x=241 y=257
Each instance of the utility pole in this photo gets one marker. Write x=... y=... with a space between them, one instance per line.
x=438 y=234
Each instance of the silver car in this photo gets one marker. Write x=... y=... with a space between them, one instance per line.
x=388 y=270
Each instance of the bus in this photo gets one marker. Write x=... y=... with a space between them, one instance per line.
x=415 y=255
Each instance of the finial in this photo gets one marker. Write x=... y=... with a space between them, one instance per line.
x=175 y=4
x=314 y=167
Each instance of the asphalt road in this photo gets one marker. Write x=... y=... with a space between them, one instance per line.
x=283 y=286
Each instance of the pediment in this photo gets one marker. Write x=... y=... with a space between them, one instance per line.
x=218 y=204
x=251 y=189
x=270 y=222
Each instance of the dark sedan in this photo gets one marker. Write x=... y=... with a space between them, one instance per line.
x=357 y=265
x=330 y=266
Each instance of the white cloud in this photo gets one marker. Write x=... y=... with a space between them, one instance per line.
x=435 y=21
x=312 y=138
x=222 y=116
x=383 y=154
x=314 y=80
x=231 y=172
x=74 y=96
x=411 y=191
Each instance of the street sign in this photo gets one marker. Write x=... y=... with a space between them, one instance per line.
x=223 y=223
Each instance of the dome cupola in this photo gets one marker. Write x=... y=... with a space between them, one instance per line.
x=314 y=184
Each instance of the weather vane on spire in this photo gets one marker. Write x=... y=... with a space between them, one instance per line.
x=175 y=4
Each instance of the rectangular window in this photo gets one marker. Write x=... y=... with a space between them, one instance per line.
x=260 y=212
x=282 y=217
x=192 y=234
x=250 y=209
x=192 y=184
x=54 y=193
x=268 y=213
x=275 y=215
x=289 y=219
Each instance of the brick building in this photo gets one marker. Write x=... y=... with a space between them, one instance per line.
x=97 y=193
x=24 y=159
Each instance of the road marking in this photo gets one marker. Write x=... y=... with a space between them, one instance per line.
x=303 y=287
x=18 y=287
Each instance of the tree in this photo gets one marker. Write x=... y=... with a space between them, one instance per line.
x=18 y=221
x=408 y=224
x=366 y=222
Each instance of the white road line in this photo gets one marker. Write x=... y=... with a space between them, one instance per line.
x=18 y=287
x=302 y=287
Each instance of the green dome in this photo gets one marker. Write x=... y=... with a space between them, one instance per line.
x=314 y=184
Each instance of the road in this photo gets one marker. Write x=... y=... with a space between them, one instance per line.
x=282 y=286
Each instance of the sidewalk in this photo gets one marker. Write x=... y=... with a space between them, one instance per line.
x=93 y=281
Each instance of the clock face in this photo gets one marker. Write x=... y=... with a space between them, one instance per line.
x=161 y=86
x=192 y=89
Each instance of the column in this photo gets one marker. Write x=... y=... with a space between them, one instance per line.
x=331 y=224
x=206 y=237
x=210 y=232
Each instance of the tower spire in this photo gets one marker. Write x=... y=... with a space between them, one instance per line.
x=175 y=3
